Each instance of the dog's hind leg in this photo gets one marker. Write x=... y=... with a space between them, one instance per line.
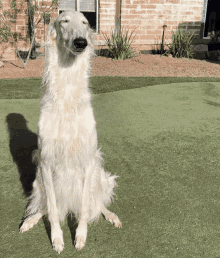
x=31 y=221
x=35 y=209
x=112 y=217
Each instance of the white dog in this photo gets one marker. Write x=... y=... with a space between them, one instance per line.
x=70 y=176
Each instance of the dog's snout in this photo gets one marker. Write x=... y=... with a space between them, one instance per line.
x=79 y=44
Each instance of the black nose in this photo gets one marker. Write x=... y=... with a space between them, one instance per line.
x=79 y=44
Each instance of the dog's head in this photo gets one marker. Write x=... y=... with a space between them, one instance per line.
x=72 y=31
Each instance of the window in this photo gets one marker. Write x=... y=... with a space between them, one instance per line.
x=87 y=7
x=212 y=18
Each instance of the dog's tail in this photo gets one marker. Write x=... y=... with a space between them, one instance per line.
x=35 y=156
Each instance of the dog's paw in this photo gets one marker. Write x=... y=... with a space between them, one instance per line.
x=26 y=226
x=30 y=222
x=80 y=242
x=113 y=218
x=117 y=223
x=58 y=245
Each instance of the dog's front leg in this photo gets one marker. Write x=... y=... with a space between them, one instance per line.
x=81 y=231
x=53 y=215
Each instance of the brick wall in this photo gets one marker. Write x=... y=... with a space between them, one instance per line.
x=145 y=16
x=148 y=17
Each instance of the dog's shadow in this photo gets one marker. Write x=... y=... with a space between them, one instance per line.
x=22 y=143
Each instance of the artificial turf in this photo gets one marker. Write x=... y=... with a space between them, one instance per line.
x=163 y=142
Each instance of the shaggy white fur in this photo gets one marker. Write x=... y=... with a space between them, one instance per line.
x=70 y=176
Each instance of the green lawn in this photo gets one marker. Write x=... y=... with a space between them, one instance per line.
x=163 y=142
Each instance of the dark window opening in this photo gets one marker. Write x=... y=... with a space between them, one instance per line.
x=91 y=17
x=212 y=22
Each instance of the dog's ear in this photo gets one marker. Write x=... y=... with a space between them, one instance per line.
x=51 y=31
x=91 y=34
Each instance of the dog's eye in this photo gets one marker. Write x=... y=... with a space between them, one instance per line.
x=65 y=21
x=85 y=22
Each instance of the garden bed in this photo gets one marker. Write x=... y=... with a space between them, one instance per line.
x=143 y=65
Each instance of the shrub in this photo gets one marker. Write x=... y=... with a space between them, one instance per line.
x=119 y=45
x=181 y=44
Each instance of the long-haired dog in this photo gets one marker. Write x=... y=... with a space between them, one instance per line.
x=70 y=175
